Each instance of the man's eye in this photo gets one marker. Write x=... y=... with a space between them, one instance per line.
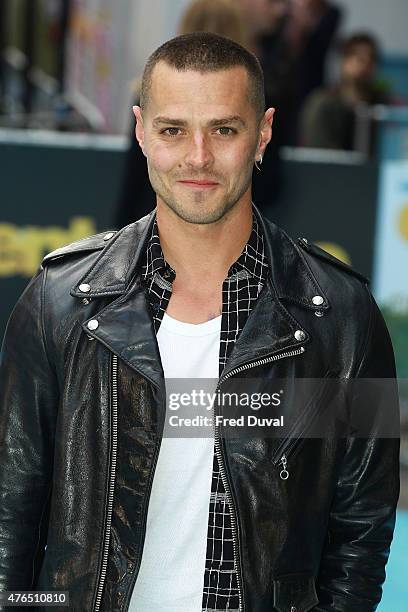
x=172 y=131
x=226 y=131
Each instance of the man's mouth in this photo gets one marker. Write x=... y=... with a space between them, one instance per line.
x=199 y=184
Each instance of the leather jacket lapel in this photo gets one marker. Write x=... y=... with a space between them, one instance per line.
x=269 y=329
x=117 y=264
x=126 y=328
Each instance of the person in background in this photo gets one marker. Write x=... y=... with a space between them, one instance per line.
x=292 y=39
x=266 y=20
x=263 y=18
x=310 y=32
x=222 y=17
x=329 y=117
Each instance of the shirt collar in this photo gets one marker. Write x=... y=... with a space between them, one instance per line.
x=154 y=259
x=252 y=259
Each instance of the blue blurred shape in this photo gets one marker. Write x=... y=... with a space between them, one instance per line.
x=395 y=590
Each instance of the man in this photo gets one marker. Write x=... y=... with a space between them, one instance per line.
x=292 y=39
x=203 y=287
x=330 y=115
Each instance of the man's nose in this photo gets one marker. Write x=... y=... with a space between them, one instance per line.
x=199 y=154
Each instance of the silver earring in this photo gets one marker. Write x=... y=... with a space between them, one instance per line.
x=260 y=162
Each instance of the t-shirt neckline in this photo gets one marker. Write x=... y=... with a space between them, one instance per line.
x=191 y=329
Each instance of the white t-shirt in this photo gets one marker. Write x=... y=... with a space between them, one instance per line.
x=171 y=576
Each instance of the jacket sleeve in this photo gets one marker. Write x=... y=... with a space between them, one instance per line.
x=363 y=512
x=28 y=407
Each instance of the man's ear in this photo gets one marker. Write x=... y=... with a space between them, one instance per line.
x=266 y=132
x=139 y=129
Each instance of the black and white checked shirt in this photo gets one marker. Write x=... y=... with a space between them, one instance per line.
x=240 y=291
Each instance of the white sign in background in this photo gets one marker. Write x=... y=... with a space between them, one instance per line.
x=391 y=245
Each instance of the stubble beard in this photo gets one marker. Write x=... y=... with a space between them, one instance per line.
x=195 y=213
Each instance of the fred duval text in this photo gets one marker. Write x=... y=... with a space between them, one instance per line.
x=249 y=420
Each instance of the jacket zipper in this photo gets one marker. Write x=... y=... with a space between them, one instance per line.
x=224 y=478
x=112 y=487
x=286 y=449
x=129 y=591
x=111 y=484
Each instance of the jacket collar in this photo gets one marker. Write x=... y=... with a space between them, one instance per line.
x=118 y=263
x=125 y=325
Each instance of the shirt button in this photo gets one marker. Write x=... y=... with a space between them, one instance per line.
x=84 y=288
x=93 y=324
x=109 y=235
x=167 y=274
x=317 y=300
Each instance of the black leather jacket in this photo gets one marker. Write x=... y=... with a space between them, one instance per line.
x=81 y=416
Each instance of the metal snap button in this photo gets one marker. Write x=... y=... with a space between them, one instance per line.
x=317 y=300
x=300 y=335
x=93 y=324
x=319 y=313
x=108 y=236
x=293 y=609
x=85 y=287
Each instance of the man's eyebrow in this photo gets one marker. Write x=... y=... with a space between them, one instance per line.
x=168 y=120
x=212 y=123
x=224 y=120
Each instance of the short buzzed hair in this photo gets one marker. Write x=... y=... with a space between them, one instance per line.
x=358 y=39
x=207 y=52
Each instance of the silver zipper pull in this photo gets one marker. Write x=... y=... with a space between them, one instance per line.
x=284 y=474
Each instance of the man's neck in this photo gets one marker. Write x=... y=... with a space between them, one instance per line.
x=197 y=251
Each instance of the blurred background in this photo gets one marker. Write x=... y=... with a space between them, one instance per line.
x=336 y=171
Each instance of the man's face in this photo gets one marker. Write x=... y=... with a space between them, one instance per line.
x=359 y=65
x=200 y=135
